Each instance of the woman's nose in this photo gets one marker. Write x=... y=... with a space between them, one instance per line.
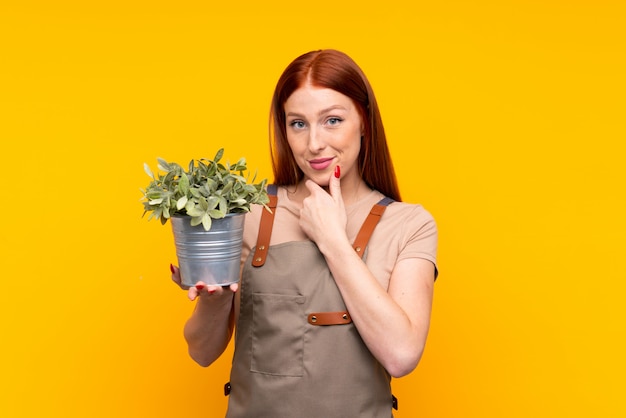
x=316 y=141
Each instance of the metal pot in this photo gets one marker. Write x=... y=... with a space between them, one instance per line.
x=212 y=256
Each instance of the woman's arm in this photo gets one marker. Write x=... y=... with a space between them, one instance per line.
x=210 y=327
x=394 y=322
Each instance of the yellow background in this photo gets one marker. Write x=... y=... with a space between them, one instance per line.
x=505 y=119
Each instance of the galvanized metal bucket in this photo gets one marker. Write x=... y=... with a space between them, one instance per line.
x=212 y=256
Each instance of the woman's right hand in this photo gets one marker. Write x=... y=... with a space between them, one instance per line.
x=200 y=289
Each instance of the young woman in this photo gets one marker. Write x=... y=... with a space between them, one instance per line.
x=337 y=281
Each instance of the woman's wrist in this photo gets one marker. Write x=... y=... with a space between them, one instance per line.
x=336 y=248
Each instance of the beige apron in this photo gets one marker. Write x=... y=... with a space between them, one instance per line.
x=297 y=352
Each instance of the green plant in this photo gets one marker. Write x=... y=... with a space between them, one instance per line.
x=207 y=190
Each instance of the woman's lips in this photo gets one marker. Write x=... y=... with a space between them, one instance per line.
x=320 y=163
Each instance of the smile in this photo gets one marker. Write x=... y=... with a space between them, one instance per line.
x=320 y=163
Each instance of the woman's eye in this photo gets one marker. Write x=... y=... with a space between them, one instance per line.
x=334 y=121
x=298 y=124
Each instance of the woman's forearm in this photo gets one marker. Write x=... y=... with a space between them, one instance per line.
x=209 y=329
x=393 y=323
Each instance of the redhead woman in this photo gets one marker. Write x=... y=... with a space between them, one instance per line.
x=337 y=280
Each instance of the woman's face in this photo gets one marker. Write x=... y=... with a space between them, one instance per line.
x=324 y=130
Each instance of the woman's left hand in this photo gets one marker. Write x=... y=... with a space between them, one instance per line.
x=323 y=215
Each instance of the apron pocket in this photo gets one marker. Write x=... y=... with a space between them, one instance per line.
x=278 y=326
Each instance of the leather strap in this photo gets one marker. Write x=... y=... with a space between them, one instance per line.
x=329 y=318
x=265 y=229
x=363 y=237
x=267 y=223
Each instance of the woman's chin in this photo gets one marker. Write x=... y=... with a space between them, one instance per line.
x=320 y=180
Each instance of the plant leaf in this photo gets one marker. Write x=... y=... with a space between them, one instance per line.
x=163 y=165
x=181 y=203
x=212 y=202
x=194 y=211
x=219 y=155
x=227 y=188
x=223 y=205
x=216 y=214
x=206 y=222
x=146 y=168
x=183 y=184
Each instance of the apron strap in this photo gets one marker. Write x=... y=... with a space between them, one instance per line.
x=267 y=222
x=363 y=237
x=265 y=228
x=329 y=318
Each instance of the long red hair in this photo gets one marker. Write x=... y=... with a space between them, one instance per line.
x=335 y=70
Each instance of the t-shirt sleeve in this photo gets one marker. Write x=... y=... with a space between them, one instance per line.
x=420 y=236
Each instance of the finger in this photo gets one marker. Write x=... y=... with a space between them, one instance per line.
x=176 y=277
x=334 y=185
x=205 y=288
x=175 y=274
x=199 y=289
x=312 y=186
x=193 y=293
x=214 y=290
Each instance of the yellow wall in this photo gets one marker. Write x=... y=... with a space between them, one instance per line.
x=506 y=120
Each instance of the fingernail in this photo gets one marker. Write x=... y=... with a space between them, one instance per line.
x=211 y=291
x=200 y=287
x=337 y=171
x=172 y=269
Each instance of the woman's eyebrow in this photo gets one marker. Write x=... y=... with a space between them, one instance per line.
x=321 y=112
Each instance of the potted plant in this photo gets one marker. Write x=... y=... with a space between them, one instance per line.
x=206 y=205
